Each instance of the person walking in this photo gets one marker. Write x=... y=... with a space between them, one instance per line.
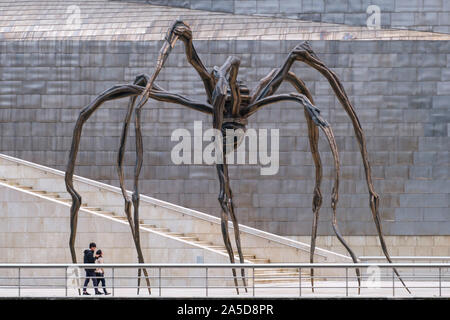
x=90 y=273
x=99 y=272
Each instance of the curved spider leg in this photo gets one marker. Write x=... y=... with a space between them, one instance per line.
x=334 y=199
x=159 y=94
x=137 y=170
x=313 y=135
x=314 y=113
x=224 y=201
x=179 y=30
x=219 y=96
x=234 y=63
x=309 y=57
x=235 y=223
x=304 y=53
x=116 y=92
x=231 y=65
x=140 y=80
x=261 y=85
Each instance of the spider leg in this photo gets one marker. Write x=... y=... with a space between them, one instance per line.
x=224 y=201
x=179 y=30
x=137 y=170
x=262 y=84
x=314 y=114
x=235 y=226
x=313 y=134
x=141 y=81
x=115 y=92
x=231 y=67
x=303 y=52
x=119 y=91
x=334 y=199
x=218 y=98
x=158 y=94
x=232 y=64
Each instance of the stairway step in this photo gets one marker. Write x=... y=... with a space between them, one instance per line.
x=108 y=213
x=192 y=239
x=45 y=193
x=277 y=270
x=175 y=234
x=161 y=229
x=246 y=257
x=148 y=226
x=51 y=194
x=40 y=191
x=276 y=275
x=203 y=243
x=263 y=281
x=195 y=235
x=154 y=228
x=218 y=249
x=93 y=209
x=259 y=260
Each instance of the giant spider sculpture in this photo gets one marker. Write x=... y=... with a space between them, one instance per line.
x=230 y=104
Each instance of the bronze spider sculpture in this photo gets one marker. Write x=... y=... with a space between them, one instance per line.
x=230 y=104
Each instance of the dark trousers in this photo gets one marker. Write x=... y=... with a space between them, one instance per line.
x=101 y=279
x=90 y=274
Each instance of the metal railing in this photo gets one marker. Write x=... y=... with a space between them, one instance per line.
x=406 y=258
x=204 y=280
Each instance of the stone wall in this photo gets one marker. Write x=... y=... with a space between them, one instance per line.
x=424 y=15
x=400 y=89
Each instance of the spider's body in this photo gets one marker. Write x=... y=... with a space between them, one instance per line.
x=234 y=121
x=230 y=103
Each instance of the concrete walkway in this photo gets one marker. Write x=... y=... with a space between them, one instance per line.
x=322 y=289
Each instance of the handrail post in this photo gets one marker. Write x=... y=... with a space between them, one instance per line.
x=253 y=281
x=206 y=280
x=65 y=277
x=19 y=279
x=440 y=283
x=113 y=286
x=300 y=281
x=159 y=280
x=393 y=283
x=346 y=281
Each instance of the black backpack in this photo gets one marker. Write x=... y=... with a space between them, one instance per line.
x=86 y=256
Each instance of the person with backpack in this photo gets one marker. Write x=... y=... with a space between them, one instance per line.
x=100 y=273
x=90 y=273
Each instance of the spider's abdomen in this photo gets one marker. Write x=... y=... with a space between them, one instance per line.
x=233 y=132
